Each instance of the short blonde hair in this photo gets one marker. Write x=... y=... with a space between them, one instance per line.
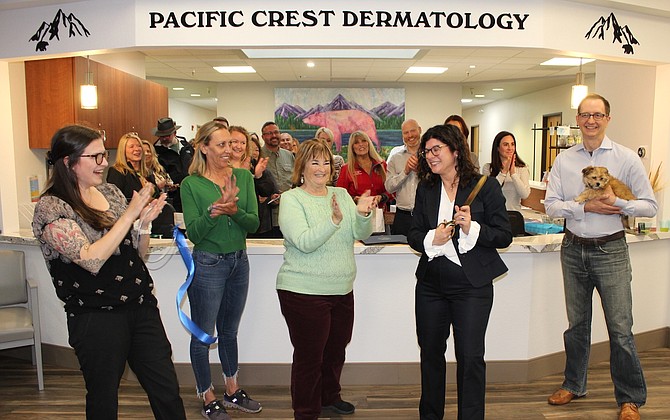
x=311 y=149
x=202 y=138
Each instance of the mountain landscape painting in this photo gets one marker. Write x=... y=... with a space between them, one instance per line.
x=377 y=111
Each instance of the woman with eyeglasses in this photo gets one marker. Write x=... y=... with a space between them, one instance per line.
x=220 y=209
x=129 y=170
x=509 y=169
x=93 y=242
x=457 y=236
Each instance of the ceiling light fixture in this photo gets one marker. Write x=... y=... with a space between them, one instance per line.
x=466 y=100
x=177 y=88
x=195 y=95
x=579 y=89
x=235 y=69
x=310 y=64
x=497 y=89
x=479 y=95
x=331 y=53
x=88 y=93
x=426 y=70
x=567 y=61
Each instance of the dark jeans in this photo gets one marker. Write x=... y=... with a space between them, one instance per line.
x=105 y=341
x=320 y=328
x=445 y=299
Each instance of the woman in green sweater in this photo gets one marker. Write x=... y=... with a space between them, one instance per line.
x=220 y=208
x=315 y=282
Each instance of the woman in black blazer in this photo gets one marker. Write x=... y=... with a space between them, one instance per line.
x=455 y=274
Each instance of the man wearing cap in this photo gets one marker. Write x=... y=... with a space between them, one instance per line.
x=171 y=154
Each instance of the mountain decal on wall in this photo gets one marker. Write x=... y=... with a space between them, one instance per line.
x=61 y=24
x=621 y=34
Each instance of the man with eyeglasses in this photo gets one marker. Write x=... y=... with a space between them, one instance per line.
x=594 y=254
x=280 y=165
x=401 y=176
x=173 y=153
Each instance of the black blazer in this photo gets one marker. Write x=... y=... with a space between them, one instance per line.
x=481 y=264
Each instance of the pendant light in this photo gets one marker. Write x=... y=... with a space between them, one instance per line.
x=89 y=92
x=579 y=89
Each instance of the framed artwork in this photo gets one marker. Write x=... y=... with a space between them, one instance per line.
x=377 y=111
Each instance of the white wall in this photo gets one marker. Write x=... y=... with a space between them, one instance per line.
x=517 y=116
x=252 y=104
x=188 y=116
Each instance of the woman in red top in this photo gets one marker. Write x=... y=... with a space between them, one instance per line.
x=365 y=170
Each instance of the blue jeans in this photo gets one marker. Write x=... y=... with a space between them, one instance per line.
x=606 y=268
x=217 y=296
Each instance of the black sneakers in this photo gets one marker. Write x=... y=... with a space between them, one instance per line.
x=340 y=407
x=241 y=401
x=214 y=411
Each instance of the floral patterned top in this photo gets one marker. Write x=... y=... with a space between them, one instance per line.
x=122 y=281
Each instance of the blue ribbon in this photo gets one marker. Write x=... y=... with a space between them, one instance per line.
x=198 y=333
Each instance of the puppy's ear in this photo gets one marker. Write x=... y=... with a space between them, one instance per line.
x=587 y=170
x=605 y=171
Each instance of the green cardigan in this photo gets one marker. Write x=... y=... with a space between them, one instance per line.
x=221 y=234
x=319 y=256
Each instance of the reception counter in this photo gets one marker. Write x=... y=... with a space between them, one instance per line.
x=524 y=339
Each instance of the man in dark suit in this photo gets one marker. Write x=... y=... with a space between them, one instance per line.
x=459 y=261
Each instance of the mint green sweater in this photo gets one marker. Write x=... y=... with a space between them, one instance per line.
x=222 y=234
x=319 y=256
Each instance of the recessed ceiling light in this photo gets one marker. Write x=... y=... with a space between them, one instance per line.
x=426 y=70
x=472 y=66
x=330 y=53
x=466 y=101
x=235 y=69
x=479 y=95
x=310 y=64
x=177 y=88
x=567 y=61
x=497 y=89
x=195 y=95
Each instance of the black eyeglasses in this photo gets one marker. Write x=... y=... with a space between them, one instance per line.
x=435 y=150
x=99 y=157
x=276 y=132
x=596 y=116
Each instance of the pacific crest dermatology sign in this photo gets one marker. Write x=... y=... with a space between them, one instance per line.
x=327 y=18
x=343 y=23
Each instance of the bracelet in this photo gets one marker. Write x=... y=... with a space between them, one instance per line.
x=146 y=231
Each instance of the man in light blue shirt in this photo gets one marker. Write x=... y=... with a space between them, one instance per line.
x=594 y=254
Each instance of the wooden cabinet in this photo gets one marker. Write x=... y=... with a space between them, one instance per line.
x=125 y=102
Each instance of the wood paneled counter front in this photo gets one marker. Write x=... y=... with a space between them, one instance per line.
x=525 y=334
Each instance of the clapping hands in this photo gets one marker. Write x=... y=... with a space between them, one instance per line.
x=366 y=203
x=227 y=204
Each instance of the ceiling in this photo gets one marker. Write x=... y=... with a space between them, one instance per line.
x=478 y=70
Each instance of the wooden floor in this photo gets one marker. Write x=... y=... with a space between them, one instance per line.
x=64 y=396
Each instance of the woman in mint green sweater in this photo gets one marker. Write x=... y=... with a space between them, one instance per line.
x=220 y=208
x=315 y=282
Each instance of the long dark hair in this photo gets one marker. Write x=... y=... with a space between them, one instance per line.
x=496 y=162
x=71 y=141
x=452 y=137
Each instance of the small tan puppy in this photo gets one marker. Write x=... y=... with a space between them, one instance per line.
x=596 y=179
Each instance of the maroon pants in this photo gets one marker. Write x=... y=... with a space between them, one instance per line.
x=320 y=328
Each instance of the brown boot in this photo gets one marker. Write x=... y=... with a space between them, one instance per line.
x=629 y=411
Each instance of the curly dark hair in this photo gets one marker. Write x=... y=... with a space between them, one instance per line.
x=452 y=137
